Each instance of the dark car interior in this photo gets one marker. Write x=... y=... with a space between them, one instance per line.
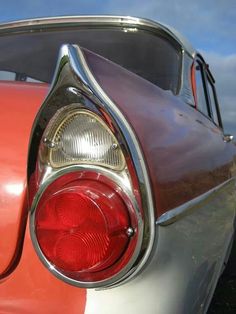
x=152 y=57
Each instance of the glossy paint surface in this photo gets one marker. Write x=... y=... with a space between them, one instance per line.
x=185 y=152
x=32 y=289
x=19 y=105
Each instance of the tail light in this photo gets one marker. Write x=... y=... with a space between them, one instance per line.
x=84 y=227
x=86 y=223
x=90 y=219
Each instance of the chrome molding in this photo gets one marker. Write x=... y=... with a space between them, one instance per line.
x=136 y=153
x=185 y=209
x=98 y=20
x=227 y=138
x=73 y=63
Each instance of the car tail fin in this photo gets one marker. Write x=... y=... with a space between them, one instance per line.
x=91 y=218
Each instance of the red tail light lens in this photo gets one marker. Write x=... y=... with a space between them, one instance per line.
x=82 y=229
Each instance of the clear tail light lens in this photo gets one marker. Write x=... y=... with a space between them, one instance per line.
x=82 y=137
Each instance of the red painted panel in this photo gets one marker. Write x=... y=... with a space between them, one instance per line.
x=32 y=289
x=19 y=105
x=184 y=150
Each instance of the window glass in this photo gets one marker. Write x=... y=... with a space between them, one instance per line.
x=201 y=97
x=7 y=76
x=31 y=80
x=153 y=57
x=213 y=103
x=11 y=76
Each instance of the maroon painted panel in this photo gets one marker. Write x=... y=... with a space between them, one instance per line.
x=184 y=150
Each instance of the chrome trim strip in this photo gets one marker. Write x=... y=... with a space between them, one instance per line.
x=65 y=21
x=140 y=166
x=179 y=212
x=71 y=59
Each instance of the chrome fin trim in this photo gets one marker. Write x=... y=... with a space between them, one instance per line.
x=131 y=140
x=73 y=71
x=179 y=212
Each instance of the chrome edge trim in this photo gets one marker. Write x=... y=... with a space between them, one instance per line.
x=136 y=154
x=99 y=20
x=88 y=84
x=179 y=212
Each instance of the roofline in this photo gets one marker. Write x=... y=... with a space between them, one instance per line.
x=96 y=20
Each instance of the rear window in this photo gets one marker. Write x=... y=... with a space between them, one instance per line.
x=33 y=56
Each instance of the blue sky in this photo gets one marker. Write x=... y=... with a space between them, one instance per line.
x=210 y=25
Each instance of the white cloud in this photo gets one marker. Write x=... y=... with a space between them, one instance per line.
x=211 y=15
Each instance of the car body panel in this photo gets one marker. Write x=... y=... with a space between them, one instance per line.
x=32 y=289
x=184 y=268
x=167 y=127
x=17 y=115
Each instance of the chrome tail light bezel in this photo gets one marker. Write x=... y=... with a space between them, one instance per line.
x=74 y=83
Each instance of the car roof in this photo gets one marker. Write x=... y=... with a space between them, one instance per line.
x=122 y=21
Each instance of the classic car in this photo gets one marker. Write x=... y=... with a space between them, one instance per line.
x=117 y=182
